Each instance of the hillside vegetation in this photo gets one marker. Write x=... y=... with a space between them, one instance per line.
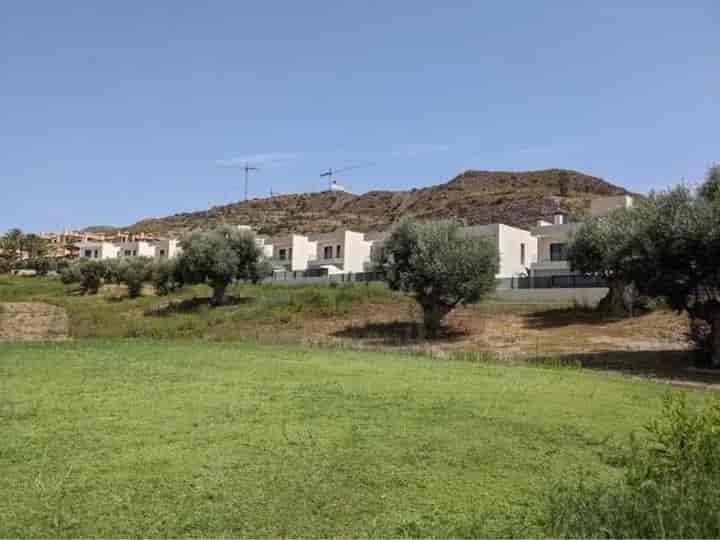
x=478 y=197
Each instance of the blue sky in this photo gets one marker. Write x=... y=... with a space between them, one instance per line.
x=116 y=111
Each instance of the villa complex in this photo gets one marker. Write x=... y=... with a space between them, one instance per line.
x=539 y=252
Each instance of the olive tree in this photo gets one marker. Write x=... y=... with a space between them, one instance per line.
x=439 y=264
x=164 y=276
x=677 y=253
x=603 y=247
x=11 y=245
x=91 y=275
x=134 y=272
x=218 y=257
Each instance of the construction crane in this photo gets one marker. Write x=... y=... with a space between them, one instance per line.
x=330 y=172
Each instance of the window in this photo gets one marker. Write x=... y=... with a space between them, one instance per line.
x=522 y=254
x=88 y=253
x=282 y=254
x=162 y=252
x=338 y=252
x=327 y=252
x=95 y=254
x=127 y=252
x=134 y=252
x=558 y=252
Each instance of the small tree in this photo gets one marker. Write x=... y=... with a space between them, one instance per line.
x=71 y=273
x=34 y=245
x=603 y=247
x=439 y=265
x=164 y=276
x=91 y=276
x=134 y=272
x=217 y=258
x=11 y=245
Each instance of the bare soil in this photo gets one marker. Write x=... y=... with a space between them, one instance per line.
x=32 y=321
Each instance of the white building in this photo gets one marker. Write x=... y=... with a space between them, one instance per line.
x=97 y=250
x=517 y=248
x=265 y=246
x=553 y=238
x=292 y=252
x=342 y=251
x=167 y=249
x=135 y=249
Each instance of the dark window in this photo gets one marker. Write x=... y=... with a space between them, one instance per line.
x=327 y=252
x=88 y=253
x=338 y=251
x=282 y=254
x=162 y=252
x=522 y=254
x=558 y=252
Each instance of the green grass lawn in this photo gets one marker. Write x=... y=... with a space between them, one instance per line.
x=123 y=438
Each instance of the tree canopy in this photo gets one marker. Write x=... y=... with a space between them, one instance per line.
x=439 y=264
x=218 y=257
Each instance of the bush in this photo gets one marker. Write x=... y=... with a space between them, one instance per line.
x=165 y=277
x=41 y=265
x=92 y=274
x=5 y=265
x=671 y=487
x=71 y=273
x=134 y=272
x=113 y=270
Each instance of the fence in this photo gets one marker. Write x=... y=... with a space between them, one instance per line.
x=537 y=282
x=564 y=281
x=311 y=276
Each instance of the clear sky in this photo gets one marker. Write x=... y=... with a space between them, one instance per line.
x=115 y=111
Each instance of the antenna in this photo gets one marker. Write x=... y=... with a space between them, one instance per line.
x=329 y=173
x=247 y=168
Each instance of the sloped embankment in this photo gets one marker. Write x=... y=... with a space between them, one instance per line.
x=32 y=321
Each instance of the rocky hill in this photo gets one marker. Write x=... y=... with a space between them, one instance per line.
x=478 y=197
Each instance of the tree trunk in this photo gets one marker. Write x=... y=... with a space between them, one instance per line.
x=433 y=315
x=714 y=322
x=618 y=300
x=219 y=294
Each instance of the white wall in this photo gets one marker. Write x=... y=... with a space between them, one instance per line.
x=357 y=252
x=603 y=205
x=299 y=251
x=354 y=255
x=167 y=249
x=135 y=249
x=98 y=250
x=511 y=242
x=508 y=241
x=303 y=251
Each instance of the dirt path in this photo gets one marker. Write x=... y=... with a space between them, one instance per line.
x=32 y=321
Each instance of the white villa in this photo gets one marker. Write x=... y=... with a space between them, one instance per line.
x=517 y=248
x=553 y=238
x=539 y=252
x=97 y=250
x=159 y=249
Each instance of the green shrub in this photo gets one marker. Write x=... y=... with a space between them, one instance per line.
x=671 y=487
x=134 y=272
x=71 y=273
x=92 y=274
x=113 y=270
x=164 y=276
